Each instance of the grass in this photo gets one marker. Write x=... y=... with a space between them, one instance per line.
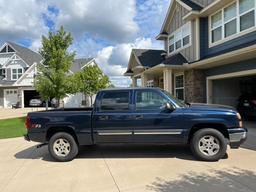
x=10 y=128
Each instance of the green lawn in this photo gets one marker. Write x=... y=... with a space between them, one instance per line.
x=10 y=128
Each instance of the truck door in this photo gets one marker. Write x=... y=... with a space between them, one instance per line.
x=152 y=122
x=111 y=119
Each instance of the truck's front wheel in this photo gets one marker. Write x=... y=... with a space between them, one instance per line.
x=63 y=147
x=208 y=145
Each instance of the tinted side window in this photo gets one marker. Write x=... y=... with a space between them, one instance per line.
x=115 y=101
x=149 y=100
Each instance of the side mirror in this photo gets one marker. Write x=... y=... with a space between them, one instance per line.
x=169 y=107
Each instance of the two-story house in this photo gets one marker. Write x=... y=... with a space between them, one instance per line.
x=18 y=67
x=209 y=53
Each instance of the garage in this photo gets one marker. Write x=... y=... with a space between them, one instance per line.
x=10 y=97
x=228 y=91
x=28 y=95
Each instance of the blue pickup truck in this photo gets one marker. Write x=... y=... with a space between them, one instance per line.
x=138 y=115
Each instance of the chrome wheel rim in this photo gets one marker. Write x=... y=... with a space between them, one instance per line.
x=209 y=145
x=61 y=147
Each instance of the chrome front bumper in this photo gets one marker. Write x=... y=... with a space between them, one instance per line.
x=237 y=136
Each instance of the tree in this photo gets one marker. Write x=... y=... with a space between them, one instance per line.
x=52 y=79
x=90 y=80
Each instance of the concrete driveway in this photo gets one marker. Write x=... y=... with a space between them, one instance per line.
x=123 y=168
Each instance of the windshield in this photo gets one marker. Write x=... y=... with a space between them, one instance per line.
x=177 y=101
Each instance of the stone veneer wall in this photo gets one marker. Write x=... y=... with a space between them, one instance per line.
x=195 y=86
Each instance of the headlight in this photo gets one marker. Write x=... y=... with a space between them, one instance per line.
x=240 y=120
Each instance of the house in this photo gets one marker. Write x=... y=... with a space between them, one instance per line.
x=18 y=67
x=209 y=52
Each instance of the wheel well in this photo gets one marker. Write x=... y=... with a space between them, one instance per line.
x=52 y=130
x=220 y=127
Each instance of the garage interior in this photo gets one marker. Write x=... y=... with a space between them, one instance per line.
x=28 y=95
x=227 y=91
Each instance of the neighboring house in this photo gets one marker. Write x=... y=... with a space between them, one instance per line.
x=18 y=67
x=209 y=54
x=79 y=99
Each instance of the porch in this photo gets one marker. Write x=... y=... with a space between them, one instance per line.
x=169 y=79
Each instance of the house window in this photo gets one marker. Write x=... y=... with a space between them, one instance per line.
x=179 y=87
x=180 y=38
x=7 y=49
x=150 y=83
x=216 y=27
x=17 y=73
x=171 y=44
x=2 y=72
x=232 y=19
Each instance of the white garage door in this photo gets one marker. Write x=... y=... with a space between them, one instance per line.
x=10 y=97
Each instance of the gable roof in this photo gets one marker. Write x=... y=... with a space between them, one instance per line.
x=29 y=56
x=177 y=59
x=149 y=57
x=78 y=64
x=194 y=6
x=187 y=4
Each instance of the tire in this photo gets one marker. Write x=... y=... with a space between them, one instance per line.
x=63 y=147
x=208 y=145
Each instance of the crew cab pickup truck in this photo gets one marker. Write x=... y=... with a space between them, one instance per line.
x=138 y=115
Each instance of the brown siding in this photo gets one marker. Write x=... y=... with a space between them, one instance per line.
x=177 y=20
x=204 y=3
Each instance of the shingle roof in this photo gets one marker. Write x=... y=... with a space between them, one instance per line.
x=193 y=5
x=149 y=57
x=177 y=59
x=29 y=56
x=5 y=82
x=79 y=63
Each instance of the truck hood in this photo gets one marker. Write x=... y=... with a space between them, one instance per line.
x=211 y=107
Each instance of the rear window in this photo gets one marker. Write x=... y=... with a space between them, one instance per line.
x=115 y=101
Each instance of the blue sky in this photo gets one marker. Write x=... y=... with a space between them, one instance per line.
x=106 y=30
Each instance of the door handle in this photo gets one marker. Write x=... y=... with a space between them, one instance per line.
x=103 y=117
x=138 y=117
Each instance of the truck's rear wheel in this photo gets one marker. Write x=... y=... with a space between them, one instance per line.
x=208 y=145
x=63 y=147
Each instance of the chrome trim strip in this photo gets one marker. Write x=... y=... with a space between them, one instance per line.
x=114 y=133
x=158 y=133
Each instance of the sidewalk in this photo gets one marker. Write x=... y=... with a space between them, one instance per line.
x=12 y=113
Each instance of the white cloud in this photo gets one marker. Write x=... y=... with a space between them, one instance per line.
x=109 y=19
x=22 y=20
x=113 y=60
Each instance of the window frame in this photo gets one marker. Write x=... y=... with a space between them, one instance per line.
x=237 y=17
x=114 y=111
x=17 y=73
x=179 y=88
x=173 y=34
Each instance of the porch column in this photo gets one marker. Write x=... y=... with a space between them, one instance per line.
x=168 y=80
x=143 y=80
x=134 y=82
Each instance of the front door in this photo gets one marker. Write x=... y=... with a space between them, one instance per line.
x=153 y=122
x=111 y=120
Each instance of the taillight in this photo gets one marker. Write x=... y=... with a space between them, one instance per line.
x=27 y=122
